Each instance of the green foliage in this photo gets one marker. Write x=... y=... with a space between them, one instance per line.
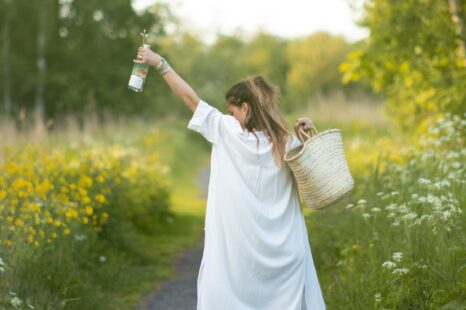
x=88 y=54
x=89 y=47
x=314 y=64
x=100 y=264
x=400 y=243
x=301 y=68
x=413 y=57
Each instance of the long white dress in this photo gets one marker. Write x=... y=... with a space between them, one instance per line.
x=256 y=249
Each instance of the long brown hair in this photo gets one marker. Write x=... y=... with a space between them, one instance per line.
x=264 y=111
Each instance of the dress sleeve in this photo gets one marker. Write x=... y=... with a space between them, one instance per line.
x=210 y=122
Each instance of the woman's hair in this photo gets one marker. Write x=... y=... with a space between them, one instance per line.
x=264 y=111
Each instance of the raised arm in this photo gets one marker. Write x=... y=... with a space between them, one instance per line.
x=176 y=83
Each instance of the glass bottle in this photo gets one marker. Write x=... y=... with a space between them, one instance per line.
x=139 y=73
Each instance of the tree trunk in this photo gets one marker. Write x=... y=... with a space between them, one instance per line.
x=6 y=59
x=457 y=16
x=41 y=63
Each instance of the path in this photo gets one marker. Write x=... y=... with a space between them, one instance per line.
x=180 y=292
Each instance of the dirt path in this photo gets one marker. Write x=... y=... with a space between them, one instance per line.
x=180 y=292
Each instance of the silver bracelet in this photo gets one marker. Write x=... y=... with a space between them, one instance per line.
x=163 y=67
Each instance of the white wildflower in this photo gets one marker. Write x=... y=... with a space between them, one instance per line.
x=80 y=237
x=391 y=206
x=349 y=206
x=386 y=196
x=380 y=193
x=375 y=210
x=361 y=202
x=403 y=209
x=2 y=265
x=389 y=265
x=397 y=256
x=16 y=302
x=394 y=193
x=102 y=258
x=442 y=184
x=391 y=214
x=378 y=297
x=400 y=271
x=410 y=216
x=366 y=215
x=446 y=214
x=424 y=181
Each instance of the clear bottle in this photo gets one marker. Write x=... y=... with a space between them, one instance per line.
x=139 y=73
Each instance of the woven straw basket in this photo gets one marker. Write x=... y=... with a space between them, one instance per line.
x=320 y=169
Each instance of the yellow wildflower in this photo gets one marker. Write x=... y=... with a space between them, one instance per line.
x=3 y=194
x=68 y=214
x=104 y=217
x=89 y=210
x=85 y=181
x=100 y=198
x=19 y=222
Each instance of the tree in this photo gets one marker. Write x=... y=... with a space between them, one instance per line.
x=265 y=54
x=313 y=62
x=412 y=56
x=6 y=56
x=41 y=61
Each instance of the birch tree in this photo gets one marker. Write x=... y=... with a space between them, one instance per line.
x=7 y=102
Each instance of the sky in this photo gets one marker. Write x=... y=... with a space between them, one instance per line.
x=285 y=18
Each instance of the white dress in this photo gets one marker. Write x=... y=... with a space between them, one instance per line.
x=256 y=249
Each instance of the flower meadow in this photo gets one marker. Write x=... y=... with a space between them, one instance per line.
x=401 y=242
x=60 y=205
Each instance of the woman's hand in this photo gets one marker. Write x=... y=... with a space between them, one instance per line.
x=147 y=56
x=176 y=83
x=303 y=123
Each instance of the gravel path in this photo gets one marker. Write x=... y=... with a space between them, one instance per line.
x=180 y=293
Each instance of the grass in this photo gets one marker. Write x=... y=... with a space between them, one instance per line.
x=120 y=268
x=348 y=249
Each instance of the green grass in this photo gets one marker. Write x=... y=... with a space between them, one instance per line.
x=348 y=249
x=72 y=275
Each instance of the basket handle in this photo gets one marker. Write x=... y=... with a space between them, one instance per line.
x=303 y=136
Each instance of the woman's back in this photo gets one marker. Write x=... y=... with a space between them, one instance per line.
x=256 y=254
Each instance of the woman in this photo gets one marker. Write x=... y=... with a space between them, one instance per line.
x=256 y=251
